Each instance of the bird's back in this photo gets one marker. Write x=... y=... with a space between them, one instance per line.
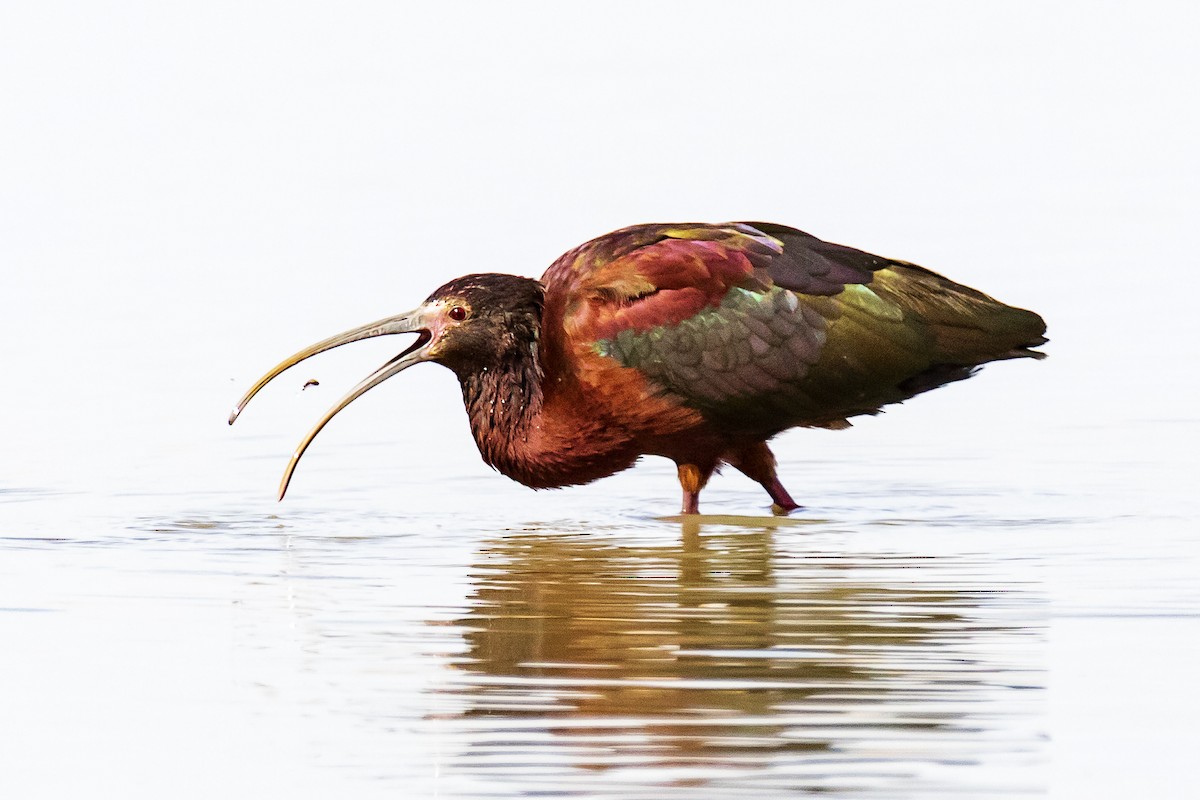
x=760 y=327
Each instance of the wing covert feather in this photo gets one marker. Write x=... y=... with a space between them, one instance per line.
x=763 y=327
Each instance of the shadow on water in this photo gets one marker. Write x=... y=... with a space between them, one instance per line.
x=715 y=660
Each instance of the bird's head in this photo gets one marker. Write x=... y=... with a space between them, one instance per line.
x=484 y=321
x=470 y=324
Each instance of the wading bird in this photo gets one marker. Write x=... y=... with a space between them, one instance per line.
x=690 y=341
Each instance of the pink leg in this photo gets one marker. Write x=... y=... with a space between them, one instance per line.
x=757 y=462
x=692 y=478
x=784 y=504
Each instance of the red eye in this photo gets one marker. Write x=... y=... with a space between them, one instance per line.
x=458 y=313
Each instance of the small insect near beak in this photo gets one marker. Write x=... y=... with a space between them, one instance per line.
x=417 y=321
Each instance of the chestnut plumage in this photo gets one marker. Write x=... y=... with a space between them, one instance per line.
x=694 y=342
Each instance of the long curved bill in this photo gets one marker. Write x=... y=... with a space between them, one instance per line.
x=412 y=322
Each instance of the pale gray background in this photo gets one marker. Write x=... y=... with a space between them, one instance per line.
x=191 y=191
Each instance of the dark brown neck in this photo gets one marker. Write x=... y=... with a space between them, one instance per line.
x=502 y=402
x=535 y=440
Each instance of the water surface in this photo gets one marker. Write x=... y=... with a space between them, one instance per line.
x=911 y=635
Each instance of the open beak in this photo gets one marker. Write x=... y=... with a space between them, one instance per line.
x=414 y=321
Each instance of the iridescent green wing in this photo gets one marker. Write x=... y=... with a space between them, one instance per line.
x=762 y=327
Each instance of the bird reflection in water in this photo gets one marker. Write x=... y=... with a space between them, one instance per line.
x=716 y=654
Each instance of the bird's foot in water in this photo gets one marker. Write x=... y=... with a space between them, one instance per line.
x=783 y=503
x=692 y=479
x=783 y=511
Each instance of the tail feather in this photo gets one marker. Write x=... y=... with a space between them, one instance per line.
x=968 y=326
